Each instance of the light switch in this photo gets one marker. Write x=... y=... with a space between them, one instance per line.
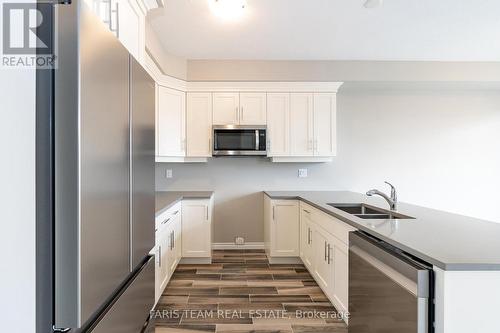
x=168 y=173
x=302 y=173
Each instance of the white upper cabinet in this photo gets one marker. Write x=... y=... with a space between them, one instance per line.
x=325 y=124
x=199 y=124
x=301 y=124
x=252 y=109
x=278 y=124
x=226 y=108
x=127 y=25
x=171 y=123
x=125 y=19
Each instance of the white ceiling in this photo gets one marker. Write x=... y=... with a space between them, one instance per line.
x=413 y=30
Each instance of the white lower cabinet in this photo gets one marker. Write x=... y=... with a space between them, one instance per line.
x=324 y=251
x=282 y=222
x=168 y=247
x=340 y=266
x=306 y=238
x=196 y=228
x=322 y=263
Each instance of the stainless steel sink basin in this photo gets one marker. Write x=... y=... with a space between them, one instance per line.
x=365 y=211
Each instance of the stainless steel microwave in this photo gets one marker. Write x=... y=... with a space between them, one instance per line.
x=239 y=140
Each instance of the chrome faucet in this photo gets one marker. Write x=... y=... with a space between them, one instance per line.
x=392 y=200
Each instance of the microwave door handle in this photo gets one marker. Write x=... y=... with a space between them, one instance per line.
x=257 y=143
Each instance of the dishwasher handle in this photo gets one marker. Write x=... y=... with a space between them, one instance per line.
x=412 y=275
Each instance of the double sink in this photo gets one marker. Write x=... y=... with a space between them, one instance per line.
x=366 y=211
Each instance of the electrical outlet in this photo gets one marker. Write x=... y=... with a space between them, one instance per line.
x=239 y=240
x=302 y=173
x=168 y=173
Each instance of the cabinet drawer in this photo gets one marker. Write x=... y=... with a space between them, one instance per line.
x=164 y=218
x=331 y=224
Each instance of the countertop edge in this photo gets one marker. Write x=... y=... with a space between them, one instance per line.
x=444 y=266
x=181 y=197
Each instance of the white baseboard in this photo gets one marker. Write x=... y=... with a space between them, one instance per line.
x=232 y=246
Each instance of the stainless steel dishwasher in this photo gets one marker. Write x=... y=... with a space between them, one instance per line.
x=389 y=290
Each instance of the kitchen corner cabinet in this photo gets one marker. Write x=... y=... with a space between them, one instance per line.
x=239 y=108
x=170 y=122
x=283 y=227
x=199 y=124
x=197 y=228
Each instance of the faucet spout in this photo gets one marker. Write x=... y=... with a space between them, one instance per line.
x=391 y=200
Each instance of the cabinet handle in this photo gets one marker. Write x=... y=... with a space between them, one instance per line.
x=175 y=213
x=172 y=240
x=166 y=221
x=325 y=251
x=116 y=12
x=306 y=211
x=329 y=254
x=159 y=255
x=238 y=114
x=308 y=236
x=206 y=212
x=241 y=113
x=273 y=213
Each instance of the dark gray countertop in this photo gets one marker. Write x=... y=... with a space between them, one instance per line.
x=446 y=240
x=166 y=199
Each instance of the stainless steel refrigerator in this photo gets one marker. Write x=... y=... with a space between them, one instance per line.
x=103 y=277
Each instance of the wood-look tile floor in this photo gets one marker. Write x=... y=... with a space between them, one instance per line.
x=241 y=292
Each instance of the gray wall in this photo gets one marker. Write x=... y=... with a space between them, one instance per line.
x=439 y=146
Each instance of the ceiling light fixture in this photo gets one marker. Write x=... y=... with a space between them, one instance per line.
x=373 y=3
x=228 y=9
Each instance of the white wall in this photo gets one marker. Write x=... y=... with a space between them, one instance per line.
x=439 y=147
x=17 y=200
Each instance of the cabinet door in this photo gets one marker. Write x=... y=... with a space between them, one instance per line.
x=253 y=108
x=322 y=267
x=301 y=124
x=285 y=228
x=196 y=236
x=307 y=234
x=164 y=257
x=177 y=229
x=267 y=224
x=226 y=108
x=325 y=124
x=340 y=272
x=127 y=25
x=199 y=124
x=278 y=124
x=158 y=272
x=171 y=115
